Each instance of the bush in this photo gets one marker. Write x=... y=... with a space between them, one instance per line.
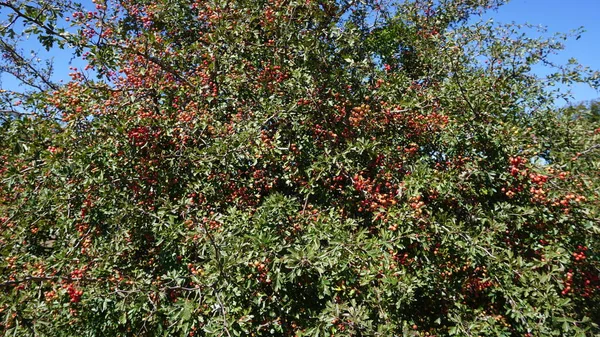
x=294 y=168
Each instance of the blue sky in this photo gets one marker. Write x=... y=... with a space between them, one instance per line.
x=562 y=16
x=556 y=15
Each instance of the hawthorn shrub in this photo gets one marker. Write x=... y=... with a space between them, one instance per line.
x=293 y=168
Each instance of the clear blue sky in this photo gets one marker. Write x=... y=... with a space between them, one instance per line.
x=562 y=16
x=557 y=15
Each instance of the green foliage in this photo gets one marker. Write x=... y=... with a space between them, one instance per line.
x=296 y=168
x=587 y=110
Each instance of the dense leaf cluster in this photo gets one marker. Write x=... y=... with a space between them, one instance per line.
x=294 y=168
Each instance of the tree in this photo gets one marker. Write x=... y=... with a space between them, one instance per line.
x=293 y=168
x=589 y=110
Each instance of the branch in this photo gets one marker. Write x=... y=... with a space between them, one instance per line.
x=20 y=60
x=49 y=29
x=46 y=278
x=589 y=149
x=15 y=113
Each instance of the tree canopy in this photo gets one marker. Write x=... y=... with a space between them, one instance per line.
x=587 y=110
x=293 y=168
